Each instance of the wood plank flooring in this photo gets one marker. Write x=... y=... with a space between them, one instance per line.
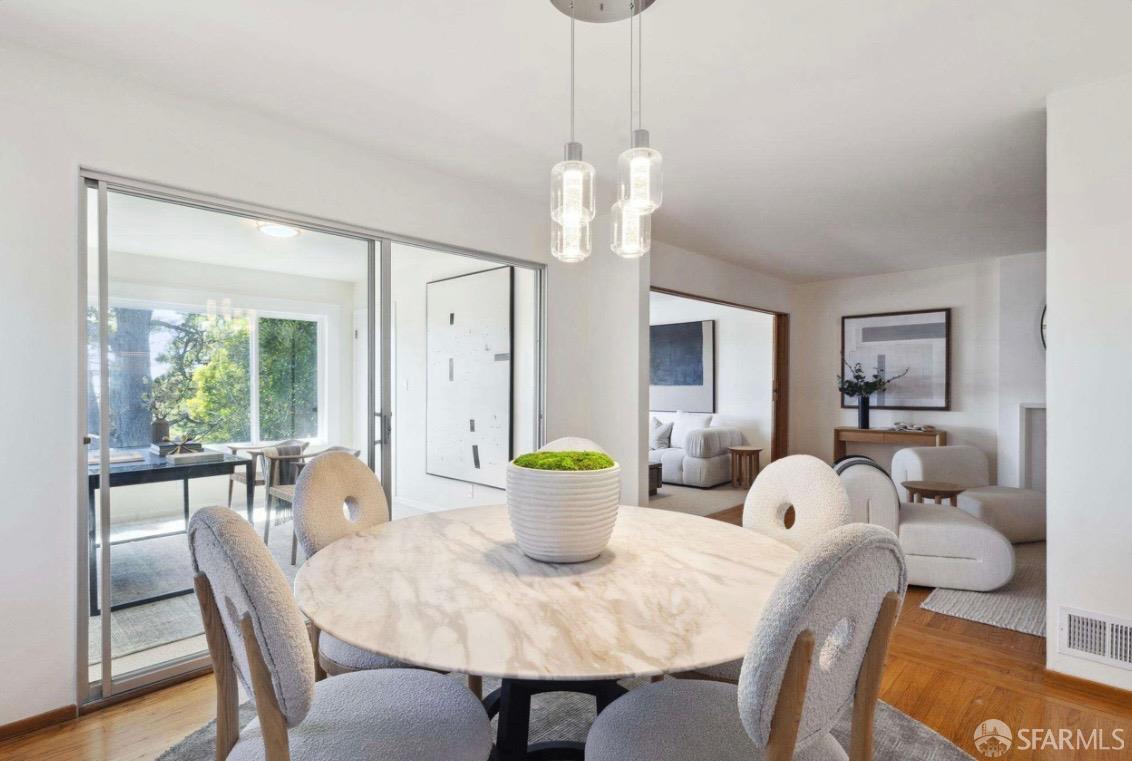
x=949 y=673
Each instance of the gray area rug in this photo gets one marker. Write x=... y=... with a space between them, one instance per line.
x=1019 y=606
x=154 y=566
x=694 y=501
x=567 y=716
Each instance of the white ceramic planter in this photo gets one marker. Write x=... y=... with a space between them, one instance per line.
x=563 y=516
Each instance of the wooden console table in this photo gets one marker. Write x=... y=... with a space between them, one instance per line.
x=843 y=435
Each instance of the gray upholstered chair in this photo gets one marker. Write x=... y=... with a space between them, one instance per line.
x=796 y=500
x=255 y=633
x=286 y=492
x=819 y=647
x=328 y=487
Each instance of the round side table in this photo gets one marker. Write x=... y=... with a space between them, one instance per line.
x=933 y=490
x=744 y=466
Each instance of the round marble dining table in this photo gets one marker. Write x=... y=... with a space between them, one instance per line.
x=452 y=591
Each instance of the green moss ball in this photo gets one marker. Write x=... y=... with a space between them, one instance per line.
x=565 y=461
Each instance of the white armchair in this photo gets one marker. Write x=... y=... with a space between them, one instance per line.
x=943 y=546
x=1019 y=514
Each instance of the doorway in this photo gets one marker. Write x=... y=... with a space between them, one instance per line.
x=715 y=366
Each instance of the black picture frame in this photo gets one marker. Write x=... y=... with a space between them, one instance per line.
x=946 y=311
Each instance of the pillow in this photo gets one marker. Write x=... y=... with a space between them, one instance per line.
x=685 y=422
x=660 y=435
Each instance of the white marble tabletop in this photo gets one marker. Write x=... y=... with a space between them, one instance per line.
x=452 y=591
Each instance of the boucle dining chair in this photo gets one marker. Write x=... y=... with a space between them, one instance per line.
x=330 y=486
x=286 y=492
x=819 y=647
x=795 y=500
x=255 y=633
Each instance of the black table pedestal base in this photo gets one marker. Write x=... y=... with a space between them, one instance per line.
x=512 y=702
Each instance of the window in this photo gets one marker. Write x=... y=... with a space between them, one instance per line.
x=288 y=378
x=192 y=371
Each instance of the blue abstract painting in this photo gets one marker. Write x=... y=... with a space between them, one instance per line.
x=682 y=366
x=676 y=354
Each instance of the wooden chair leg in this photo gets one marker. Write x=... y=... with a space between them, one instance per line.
x=791 y=696
x=475 y=684
x=272 y=724
x=267 y=520
x=313 y=633
x=227 y=691
x=231 y=484
x=868 y=680
x=294 y=545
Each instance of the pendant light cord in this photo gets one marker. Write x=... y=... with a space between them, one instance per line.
x=640 y=64
x=571 y=71
x=632 y=8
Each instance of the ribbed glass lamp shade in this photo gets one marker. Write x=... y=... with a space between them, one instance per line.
x=632 y=231
x=570 y=243
x=572 y=192
x=639 y=178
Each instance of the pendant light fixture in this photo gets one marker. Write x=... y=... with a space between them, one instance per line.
x=571 y=191
x=639 y=171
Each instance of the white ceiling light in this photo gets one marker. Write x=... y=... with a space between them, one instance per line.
x=571 y=191
x=277 y=230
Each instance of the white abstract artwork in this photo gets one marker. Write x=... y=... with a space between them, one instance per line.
x=917 y=342
x=468 y=412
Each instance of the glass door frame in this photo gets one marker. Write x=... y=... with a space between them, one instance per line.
x=379 y=413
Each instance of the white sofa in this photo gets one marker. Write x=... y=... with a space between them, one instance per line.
x=1019 y=514
x=944 y=547
x=698 y=453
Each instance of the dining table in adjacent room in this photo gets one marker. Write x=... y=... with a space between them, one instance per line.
x=451 y=591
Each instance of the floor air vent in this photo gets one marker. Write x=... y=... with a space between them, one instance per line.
x=1096 y=637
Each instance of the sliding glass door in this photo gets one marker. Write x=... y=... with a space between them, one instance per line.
x=224 y=346
x=222 y=351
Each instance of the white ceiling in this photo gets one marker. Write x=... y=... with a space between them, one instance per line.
x=808 y=138
x=171 y=231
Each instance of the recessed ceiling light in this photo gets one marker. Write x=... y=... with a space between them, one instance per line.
x=276 y=230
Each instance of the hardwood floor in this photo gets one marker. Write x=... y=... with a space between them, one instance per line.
x=949 y=673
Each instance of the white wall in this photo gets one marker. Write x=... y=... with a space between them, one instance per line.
x=59 y=116
x=1089 y=238
x=696 y=274
x=971 y=290
x=1021 y=356
x=744 y=363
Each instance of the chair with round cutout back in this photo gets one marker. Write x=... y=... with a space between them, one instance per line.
x=796 y=500
x=337 y=495
x=817 y=652
x=256 y=635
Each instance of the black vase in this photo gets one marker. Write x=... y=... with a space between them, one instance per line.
x=862 y=412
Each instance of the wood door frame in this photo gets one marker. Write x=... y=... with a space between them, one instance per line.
x=780 y=372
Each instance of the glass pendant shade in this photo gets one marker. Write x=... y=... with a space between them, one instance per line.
x=632 y=231
x=572 y=192
x=639 y=177
x=570 y=243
